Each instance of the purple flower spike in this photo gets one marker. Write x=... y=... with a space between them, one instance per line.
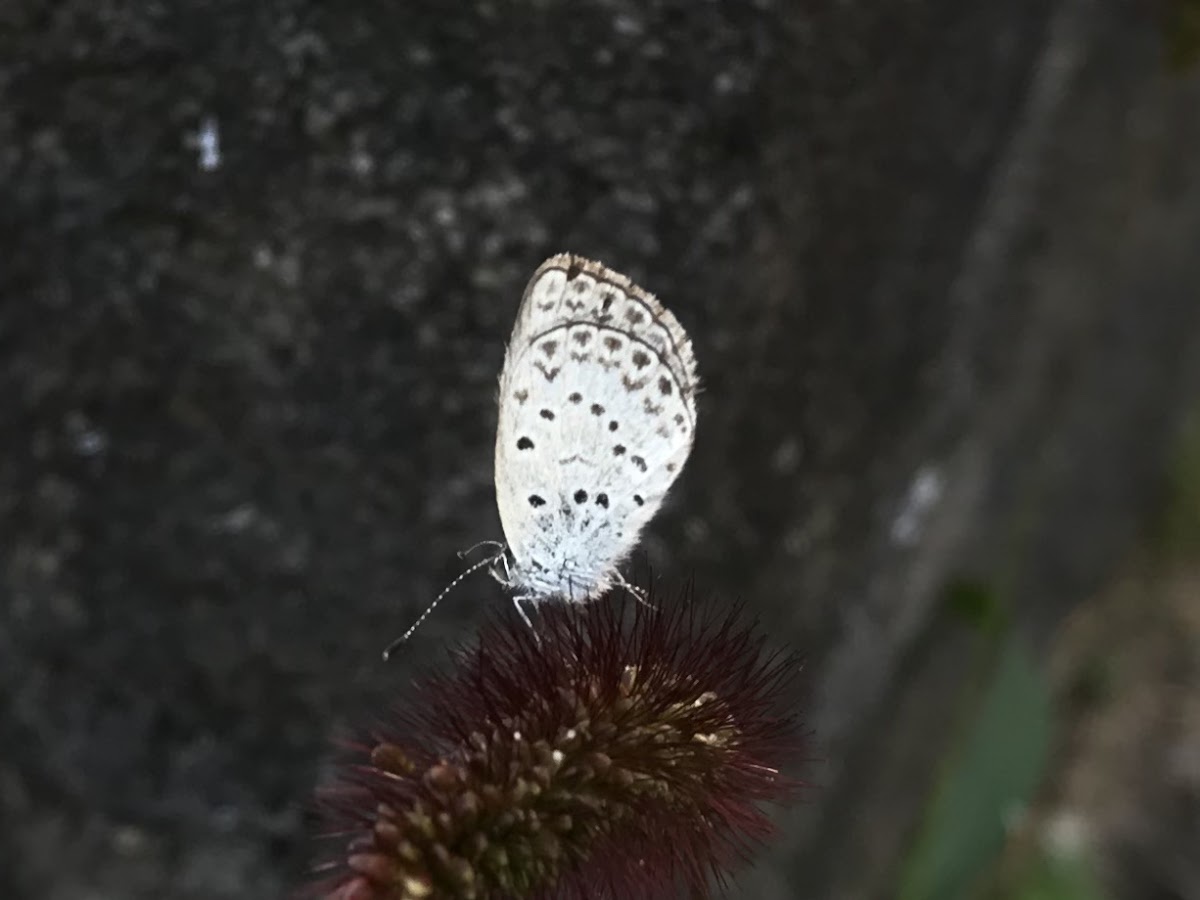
x=598 y=758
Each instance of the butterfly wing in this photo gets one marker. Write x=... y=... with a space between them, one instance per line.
x=597 y=417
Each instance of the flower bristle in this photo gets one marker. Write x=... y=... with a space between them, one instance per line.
x=620 y=750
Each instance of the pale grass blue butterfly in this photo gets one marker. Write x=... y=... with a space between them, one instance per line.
x=597 y=418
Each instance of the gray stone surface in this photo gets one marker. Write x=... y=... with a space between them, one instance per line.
x=938 y=260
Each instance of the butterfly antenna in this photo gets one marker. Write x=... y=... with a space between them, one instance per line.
x=463 y=554
x=403 y=639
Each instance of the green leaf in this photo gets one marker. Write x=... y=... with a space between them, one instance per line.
x=975 y=603
x=1181 y=34
x=993 y=776
x=1180 y=527
x=1051 y=878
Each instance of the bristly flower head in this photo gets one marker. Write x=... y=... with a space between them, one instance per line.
x=596 y=758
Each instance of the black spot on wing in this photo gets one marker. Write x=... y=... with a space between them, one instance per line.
x=633 y=384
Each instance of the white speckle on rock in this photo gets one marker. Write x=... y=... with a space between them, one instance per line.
x=129 y=840
x=362 y=163
x=288 y=269
x=628 y=25
x=208 y=142
x=445 y=214
x=786 y=458
x=923 y=494
x=420 y=54
x=86 y=439
x=91 y=443
x=238 y=519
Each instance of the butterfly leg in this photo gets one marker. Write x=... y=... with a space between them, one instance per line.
x=638 y=593
x=521 y=611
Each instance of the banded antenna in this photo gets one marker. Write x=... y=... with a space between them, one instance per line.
x=486 y=561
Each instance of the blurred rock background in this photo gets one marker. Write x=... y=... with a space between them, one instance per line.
x=258 y=263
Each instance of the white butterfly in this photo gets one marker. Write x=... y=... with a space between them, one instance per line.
x=597 y=418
